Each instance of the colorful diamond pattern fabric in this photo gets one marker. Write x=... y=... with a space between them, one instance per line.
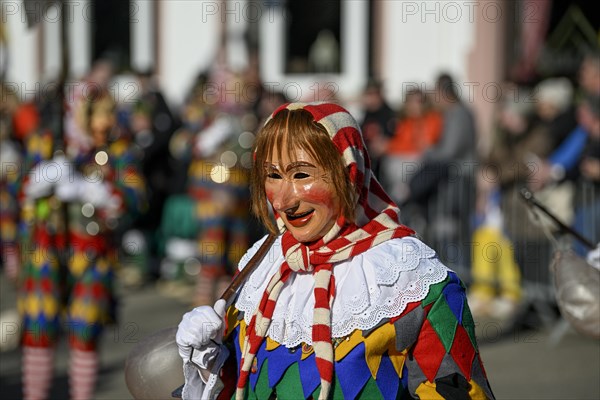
x=82 y=288
x=437 y=346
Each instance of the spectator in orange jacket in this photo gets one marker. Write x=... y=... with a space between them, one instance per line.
x=418 y=129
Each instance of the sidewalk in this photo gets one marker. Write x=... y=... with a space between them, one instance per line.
x=520 y=365
x=529 y=365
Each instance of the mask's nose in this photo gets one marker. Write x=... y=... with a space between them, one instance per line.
x=285 y=197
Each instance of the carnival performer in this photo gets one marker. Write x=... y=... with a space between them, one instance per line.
x=15 y=119
x=217 y=181
x=347 y=302
x=72 y=204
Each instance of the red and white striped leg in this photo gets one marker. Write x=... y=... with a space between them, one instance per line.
x=83 y=370
x=37 y=370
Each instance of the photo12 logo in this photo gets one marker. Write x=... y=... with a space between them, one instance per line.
x=239 y=10
x=460 y=11
x=33 y=12
x=121 y=91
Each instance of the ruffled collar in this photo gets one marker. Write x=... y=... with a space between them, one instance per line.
x=372 y=286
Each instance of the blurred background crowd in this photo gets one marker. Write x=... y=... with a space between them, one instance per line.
x=155 y=184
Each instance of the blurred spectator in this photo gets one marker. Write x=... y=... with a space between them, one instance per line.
x=564 y=160
x=152 y=125
x=578 y=158
x=587 y=200
x=72 y=207
x=522 y=142
x=496 y=286
x=589 y=74
x=92 y=85
x=418 y=128
x=554 y=119
x=458 y=137
x=378 y=123
x=527 y=131
x=217 y=130
x=554 y=116
x=455 y=150
x=552 y=167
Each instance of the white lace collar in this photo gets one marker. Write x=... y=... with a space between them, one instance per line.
x=374 y=285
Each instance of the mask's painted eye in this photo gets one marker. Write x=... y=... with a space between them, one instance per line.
x=273 y=175
x=301 y=175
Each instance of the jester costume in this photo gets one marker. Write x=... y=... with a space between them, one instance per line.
x=9 y=210
x=218 y=184
x=31 y=146
x=367 y=311
x=91 y=256
x=69 y=256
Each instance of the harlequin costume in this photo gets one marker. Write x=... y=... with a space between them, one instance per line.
x=69 y=257
x=30 y=147
x=368 y=311
x=220 y=190
x=9 y=209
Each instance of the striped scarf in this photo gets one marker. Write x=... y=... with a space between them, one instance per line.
x=377 y=220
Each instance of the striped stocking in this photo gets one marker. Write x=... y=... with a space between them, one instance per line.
x=37 y=365
x=83 y=369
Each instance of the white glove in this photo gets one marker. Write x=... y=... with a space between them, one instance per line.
x=96 y=193
x=68 y=189
x=46 y=175
x=593 y=257
x=200 y=333
x=73 y=186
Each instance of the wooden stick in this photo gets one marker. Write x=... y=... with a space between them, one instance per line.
x=240 y=278
x=528 y=197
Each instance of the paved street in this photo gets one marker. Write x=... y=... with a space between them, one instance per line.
x=521 y=364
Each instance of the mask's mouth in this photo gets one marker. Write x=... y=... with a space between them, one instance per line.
x=293 y=217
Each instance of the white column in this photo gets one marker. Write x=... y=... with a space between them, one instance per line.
x=20 y=51
x=142 y=34
x=189 y=39
x=355 y=42
x=80 y=40
x=237 y=13
x=51 y=44
x=423 y=39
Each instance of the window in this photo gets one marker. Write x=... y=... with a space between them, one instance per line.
x=313 y=37
x=110 y=31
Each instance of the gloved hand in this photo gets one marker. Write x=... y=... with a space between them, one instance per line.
x=73 y=186
x=68 y=187
x=46 y=175
x=199 y=334
x=98 y=194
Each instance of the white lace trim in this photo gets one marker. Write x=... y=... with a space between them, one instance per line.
x=374 y=285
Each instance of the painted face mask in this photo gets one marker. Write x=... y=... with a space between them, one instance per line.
x=300 y=191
